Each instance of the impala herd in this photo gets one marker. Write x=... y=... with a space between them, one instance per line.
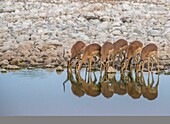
x=108 y=52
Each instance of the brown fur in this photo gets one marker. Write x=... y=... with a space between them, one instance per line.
x=76 y=50
x=105 y=51
x=133 y=86
x=150 y=50
x=118 y=48
x=76 y=85
x=132 y=50
x=119 y=86
x=149 y=91
x=107 y=88
x=90 y=51
x=90 y=87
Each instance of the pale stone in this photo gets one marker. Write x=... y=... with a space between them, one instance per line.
x=117 y=32
x=3 y=29
x=8 y=9
x=49 y=66
x=54 y=42
x=126 y=7
x=103 y=25
x=12 y=67
x=116 y=24
x=4 y=62
x=39 y=60
x=1 y=54
x=59 y=68
x=3 y=70
x=155 y=33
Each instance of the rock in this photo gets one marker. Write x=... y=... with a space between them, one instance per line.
x=59 y=68
x=167 y=72
x=1 y=54
x=8 y=9
x=59 y=72
x=7 y=55
x=22 y=38
x=49 y=66
x=116 y=32
x=25 y=52
x=33 y=58
x=22 y=64
x=12 y=67
x=137 y=31
x=25 y=45
x=161 y=67
x=104 y=26
x=16 y=61
x=4 y=62
x=30 y=68
x=165 y=62
x=111 y=70
x=155 y=33
x=3 y=70
x=126 y=7
x=9 y=45
x=3 y=30
x=39 y=60
x=33 y=63
x=44 y=37
x=82 y=36
x=35 y=37
x=55 y=43
x=48 y=61
x=64 y=64
x=167 y=35
x=116 y=24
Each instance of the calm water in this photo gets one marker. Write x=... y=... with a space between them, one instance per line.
x=41 y=93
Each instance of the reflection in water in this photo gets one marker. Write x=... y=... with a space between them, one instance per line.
x=107 y=85
x=149 y=91
x=76 y=84
x=107 y=88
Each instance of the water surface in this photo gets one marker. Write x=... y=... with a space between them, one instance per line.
x=40 y=92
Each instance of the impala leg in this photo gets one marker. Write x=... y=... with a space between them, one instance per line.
x=148 y=80
x=113 y=62
x=95 y=59
x=157 y=82
x=107 y=62
x=157 y=59
x=79 y=57
x=148 y=65
x=152 y=80
x=136 y=60
x=90 y=62
x=152 y=62
x=101 y=65
x=143 y=63
x=126 y=65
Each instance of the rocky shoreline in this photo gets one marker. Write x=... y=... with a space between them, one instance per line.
x=40 y=34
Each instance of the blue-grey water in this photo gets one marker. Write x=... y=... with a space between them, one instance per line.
x=40 y=92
